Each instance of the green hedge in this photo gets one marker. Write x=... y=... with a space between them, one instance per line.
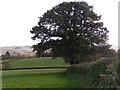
x=92 y=74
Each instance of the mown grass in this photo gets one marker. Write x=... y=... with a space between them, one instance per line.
x=42 y=78
x=50 y=78
x=39 y=62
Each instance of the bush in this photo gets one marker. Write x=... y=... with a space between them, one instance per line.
x=91 y=69
x=100 y=74
x=91 y=73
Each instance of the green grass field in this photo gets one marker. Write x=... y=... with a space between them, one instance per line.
x=39 y=62
x=36 y=78
x=42 y=78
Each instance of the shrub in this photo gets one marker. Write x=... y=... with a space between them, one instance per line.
x=90 y=72
x=100 y=74
x=91 y=68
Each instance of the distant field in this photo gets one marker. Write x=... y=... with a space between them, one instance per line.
x=39 y=62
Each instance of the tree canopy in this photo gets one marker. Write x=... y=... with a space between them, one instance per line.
x=71 y=30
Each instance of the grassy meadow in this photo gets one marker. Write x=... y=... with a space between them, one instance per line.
x=48 y=78
x=36 y=78
x=80 y=77
x=34 y=62
x=39 y=62
x=42 y=78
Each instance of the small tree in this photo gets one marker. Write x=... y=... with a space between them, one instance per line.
x=71 y=30
x=6 y=56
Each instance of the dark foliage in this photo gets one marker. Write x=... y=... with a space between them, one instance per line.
x=71 y=30
x=97 y=74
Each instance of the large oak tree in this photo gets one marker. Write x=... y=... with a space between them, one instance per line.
x=71 y=30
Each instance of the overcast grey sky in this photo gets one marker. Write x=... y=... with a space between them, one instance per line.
x=17 y=17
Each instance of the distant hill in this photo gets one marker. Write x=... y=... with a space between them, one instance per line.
x=16 y=49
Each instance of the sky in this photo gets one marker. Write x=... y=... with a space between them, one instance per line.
x=17 y=17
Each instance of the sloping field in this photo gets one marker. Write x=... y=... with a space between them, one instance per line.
x=39 y=62
x=48 y=78
x=42 y=78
